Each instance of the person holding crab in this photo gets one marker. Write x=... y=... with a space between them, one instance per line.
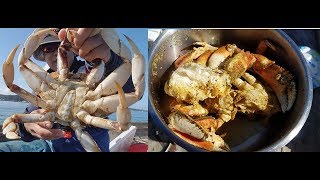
x=47 y=136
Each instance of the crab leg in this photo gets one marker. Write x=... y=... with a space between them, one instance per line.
x=191 y=110
x=221 y=54
x=10 y=128
x=34 y=82
x=8 y=76
x=95 y=75
x=122 y=74
x=198 y=132
x=138 y=70
x=108 y=104
x=110 y=36
x=42 y=74
x=237 y=65
x=107 y=86
x=27 y=118
x=84 y=138
x=279 y=79
x=252 y=96
x=123 y=115
x=197 y=52
x=62 y=59
x=203 y=59
x=33 y=42
x=97 y=121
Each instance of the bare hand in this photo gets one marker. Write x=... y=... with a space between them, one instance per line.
x=43 y=129
x=90 y=48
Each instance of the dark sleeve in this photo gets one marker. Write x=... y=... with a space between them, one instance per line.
x=304 y=37
x=114 y=63
x=23 y=133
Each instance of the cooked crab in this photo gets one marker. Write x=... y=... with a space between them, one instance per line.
x=199 y=132
x=219 y=83
x=192 y=83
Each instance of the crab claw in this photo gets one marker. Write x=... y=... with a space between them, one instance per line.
x=237 y=65
x=200 y=50
x=33 y=42
x=7 y=68
x=279 y=79
x=221 y=54
x=10 y=129
x=198 y=132
x=111 y=37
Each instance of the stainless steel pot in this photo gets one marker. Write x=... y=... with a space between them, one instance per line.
x=279 y=130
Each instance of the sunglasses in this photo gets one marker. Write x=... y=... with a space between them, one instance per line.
x=50 y=47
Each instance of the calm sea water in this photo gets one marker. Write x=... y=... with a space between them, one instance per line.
x=8 y=108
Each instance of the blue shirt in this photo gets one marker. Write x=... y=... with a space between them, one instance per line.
x=101 y=136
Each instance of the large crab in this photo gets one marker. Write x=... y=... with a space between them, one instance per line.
x=209 y=80
x=76 y=100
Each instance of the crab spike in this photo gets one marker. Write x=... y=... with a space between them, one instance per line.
x=138 y=66
x=8 y=76
x=7 y=68
x=123 y=113
x=111 y=37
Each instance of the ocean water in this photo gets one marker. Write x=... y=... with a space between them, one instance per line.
x=8 y=108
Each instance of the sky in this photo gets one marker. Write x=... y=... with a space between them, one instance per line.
x=10 y=37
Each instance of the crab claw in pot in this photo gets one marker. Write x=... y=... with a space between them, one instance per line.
x=198 y=132
x=199 y=49
x=279 y=79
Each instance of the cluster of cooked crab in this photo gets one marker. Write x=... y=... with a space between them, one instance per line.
x=210 y=85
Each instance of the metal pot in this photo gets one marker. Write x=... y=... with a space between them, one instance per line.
x=280 y=130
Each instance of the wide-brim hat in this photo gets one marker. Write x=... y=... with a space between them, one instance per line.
x=38 y=54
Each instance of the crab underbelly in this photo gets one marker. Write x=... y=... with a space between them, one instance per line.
x=65 y=110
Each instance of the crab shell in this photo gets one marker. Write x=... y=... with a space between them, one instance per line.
x=198 y=132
